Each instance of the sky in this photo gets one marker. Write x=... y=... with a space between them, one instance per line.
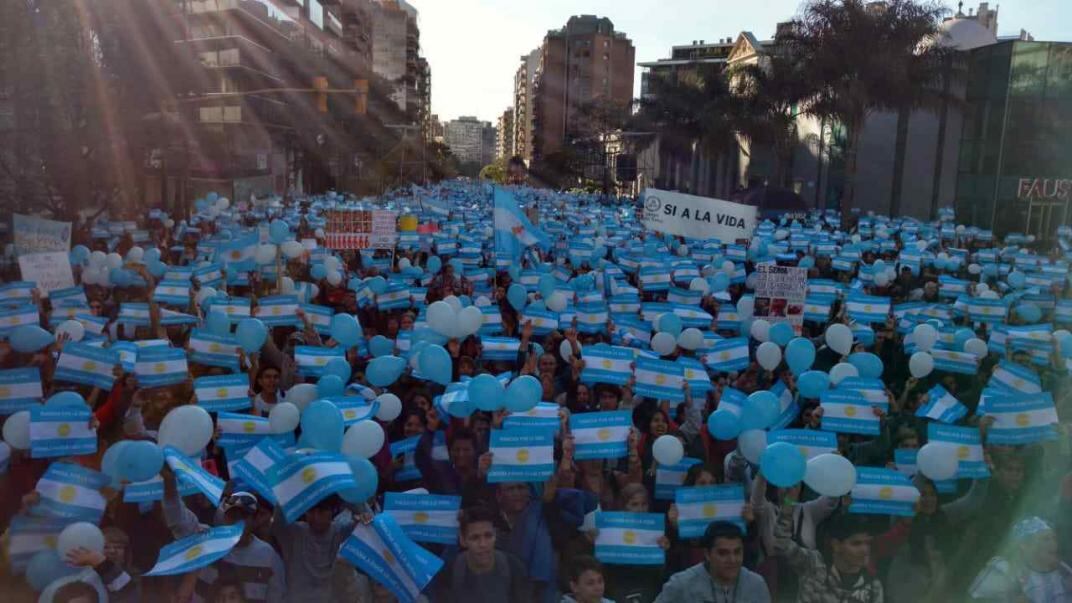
x=474 y=46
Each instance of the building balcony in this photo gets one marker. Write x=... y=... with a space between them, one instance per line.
x=237 y=109
x=234 y=52
x=251 y=18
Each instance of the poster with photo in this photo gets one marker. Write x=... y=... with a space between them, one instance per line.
x=780 y=293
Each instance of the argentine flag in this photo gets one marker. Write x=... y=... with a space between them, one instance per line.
x=87 y=365
x=134 y=314
x=942 y=406
x=319 y=317
x=513 y=231
x=173 y=293
x=382 y=551
x=955 y=362
x=210 y=275
x=873 y=390
x=20 y=315
x=1021 y=418
x=630 y=538
x=279 y=311
x=153 y=489
x=237 y=429
x=355 y=409
x=669 y=478
x=881 y=491
x=210 y=349
x=492 y=320
x=817 y=306
x=810 y=442
x=848 y=412
x=625 y=303
x=312 y=359
x=699 y=506
x=968 y=447
x=236 y=308
x=61 y=431
x=543 y=321
x=71 y=492
x=655 y=278
x=867 y=308
x=425 y=517
x=301 y=481
x=256 y=464
x=522 y=455
x=156 y=367
x=197 y=551
x=223 y=392
x=904 y=461
x=406 y=449
x=20 y=389
x=28 y=536
x=732 y=400
x=542 y=416
x=1012 y=376
x=659 y=379
x=499 y=349
x=696 y=375
x=601 y=435
x=728 y=355
x=17 y=290
x=592 y=317
x=191 y=471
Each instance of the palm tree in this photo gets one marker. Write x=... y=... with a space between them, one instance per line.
x=862 y=57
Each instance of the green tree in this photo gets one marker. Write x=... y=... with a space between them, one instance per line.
x=863 y=57
x=495 y=171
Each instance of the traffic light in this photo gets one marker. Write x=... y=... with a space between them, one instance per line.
x=320 y=84
x=360 y=97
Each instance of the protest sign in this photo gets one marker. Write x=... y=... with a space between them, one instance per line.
x=780 y=293
x=696 y=217
x=33 y=234
x=51 y=270
x=376 y=229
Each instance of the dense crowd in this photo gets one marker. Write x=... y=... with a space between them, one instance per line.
x=561 y=407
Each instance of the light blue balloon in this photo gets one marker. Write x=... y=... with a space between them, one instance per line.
x=514 y=272
x=782 y=464
x=486 y=392
x=45 y=567
x=28 y=339
x=251 y=334
x=428 y=335
x=670 y=323
x=345 y=330
x=156 y=268
x=377 y=284
x=1016 y=279
x=537 y=305
x=517 y=296
x=799 y=355
x=811 y=384
x=322 y=426
x=435 y=364
x=868 y=364
x=523 y=393
x=330 y=385
x=218 y=323
x=80 y=254
x=381 y=346
x=459 y=267
x=67 y=398
x=211 y=198
x=339 y=367
x=434 y=264
x=761 y=410
x=806 y=262
x=366 y=478
x=961 y=336
x=385 y=370
x=140 y=461
x=278 y=231
x=1029 y=312
x=720 y=281
x=152 y=254
x=318 y=271
x=724 y=424
x=110 y=460
x=546 y=285
x=465 y=301
x=781 y=333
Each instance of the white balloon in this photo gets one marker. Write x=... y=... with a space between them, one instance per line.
x=752 y=443
x=188 y=428
x=938 y=461
x=205 y=293
x=114 y=260
x=760 y=330
x=301 y=395
x=976 y=347
x=390 y=407
x=745 y=307
x=682 y=250
x=557 y=302
x=286 y=285
x=169 y=223
x=292 y=249
x=363 y=439
x=81 y=534
x=404 y=264
x=482 y=301
x=974 y=268
x=699 y=284
x=332 y=263
x=830 y=474
x=470 y=319
x=74 y=330
x=135 y=254
x=284 y=417
x=565 y=349
x=265 y=254
x=882 y=279
x=454 y=303
x=668 y=450
x=925 y=337
x=841 y=371
x=334 y=278
x=920 y=364
x=663 y=343
x=17 y=430
x=690 y=339
x=768 y=354
x=839 y=338
x=981 y=287
x=729 y=267
x=921 y=245
x=441 y=316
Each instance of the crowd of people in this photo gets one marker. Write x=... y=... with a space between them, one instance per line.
x=568 y=354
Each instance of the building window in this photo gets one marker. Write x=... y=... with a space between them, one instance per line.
x=211 y=114
x=229 y=58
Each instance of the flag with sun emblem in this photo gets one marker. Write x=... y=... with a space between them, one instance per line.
x=522 y=454
x=303 y=480
x=211 y=349
x=630 y=538
x=61 y=431
x=848 y=412
x=513 y=231
x=1021 y=418
x=197 y=551
x=968 y=446
x=157 y=367
x=881 y=491
x=26 y=314
x=190 y=471
x=810 y=442
x=425 y=517
x=668 y=478
x=240 y=428
x=383 y=551
x=71 y=492
x=728 y=355
x=87 y=365
x=20 y=389
x=28 y=536
x=659 y=379
x=312 y=359
x=601 y=435
x=1015 y=378
x=279 y=311
x=607 y=364
x=698 y=506
x=222 y=392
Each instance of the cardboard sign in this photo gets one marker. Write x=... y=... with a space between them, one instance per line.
x=696 y=217
x=780 y=293
x=33 y=234
x=376 y=229
x=50 y=270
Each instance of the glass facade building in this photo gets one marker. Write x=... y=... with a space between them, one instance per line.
x=1015 y=164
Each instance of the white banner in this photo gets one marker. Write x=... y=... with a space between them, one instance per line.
x=50 y=270
x=33 y=234
x=780 y=293
x=696 y=217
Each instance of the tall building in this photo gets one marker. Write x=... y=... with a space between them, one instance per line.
x=424 y=98
x=471 y=140
x=504 y=146
x=396 y=55
x=683 y=59
x=586 y=62
x=435 y=128
x=524 y=80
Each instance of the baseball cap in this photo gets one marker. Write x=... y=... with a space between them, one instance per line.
x=243 y=501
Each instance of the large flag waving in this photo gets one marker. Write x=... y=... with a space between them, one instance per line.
x=513 y=230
